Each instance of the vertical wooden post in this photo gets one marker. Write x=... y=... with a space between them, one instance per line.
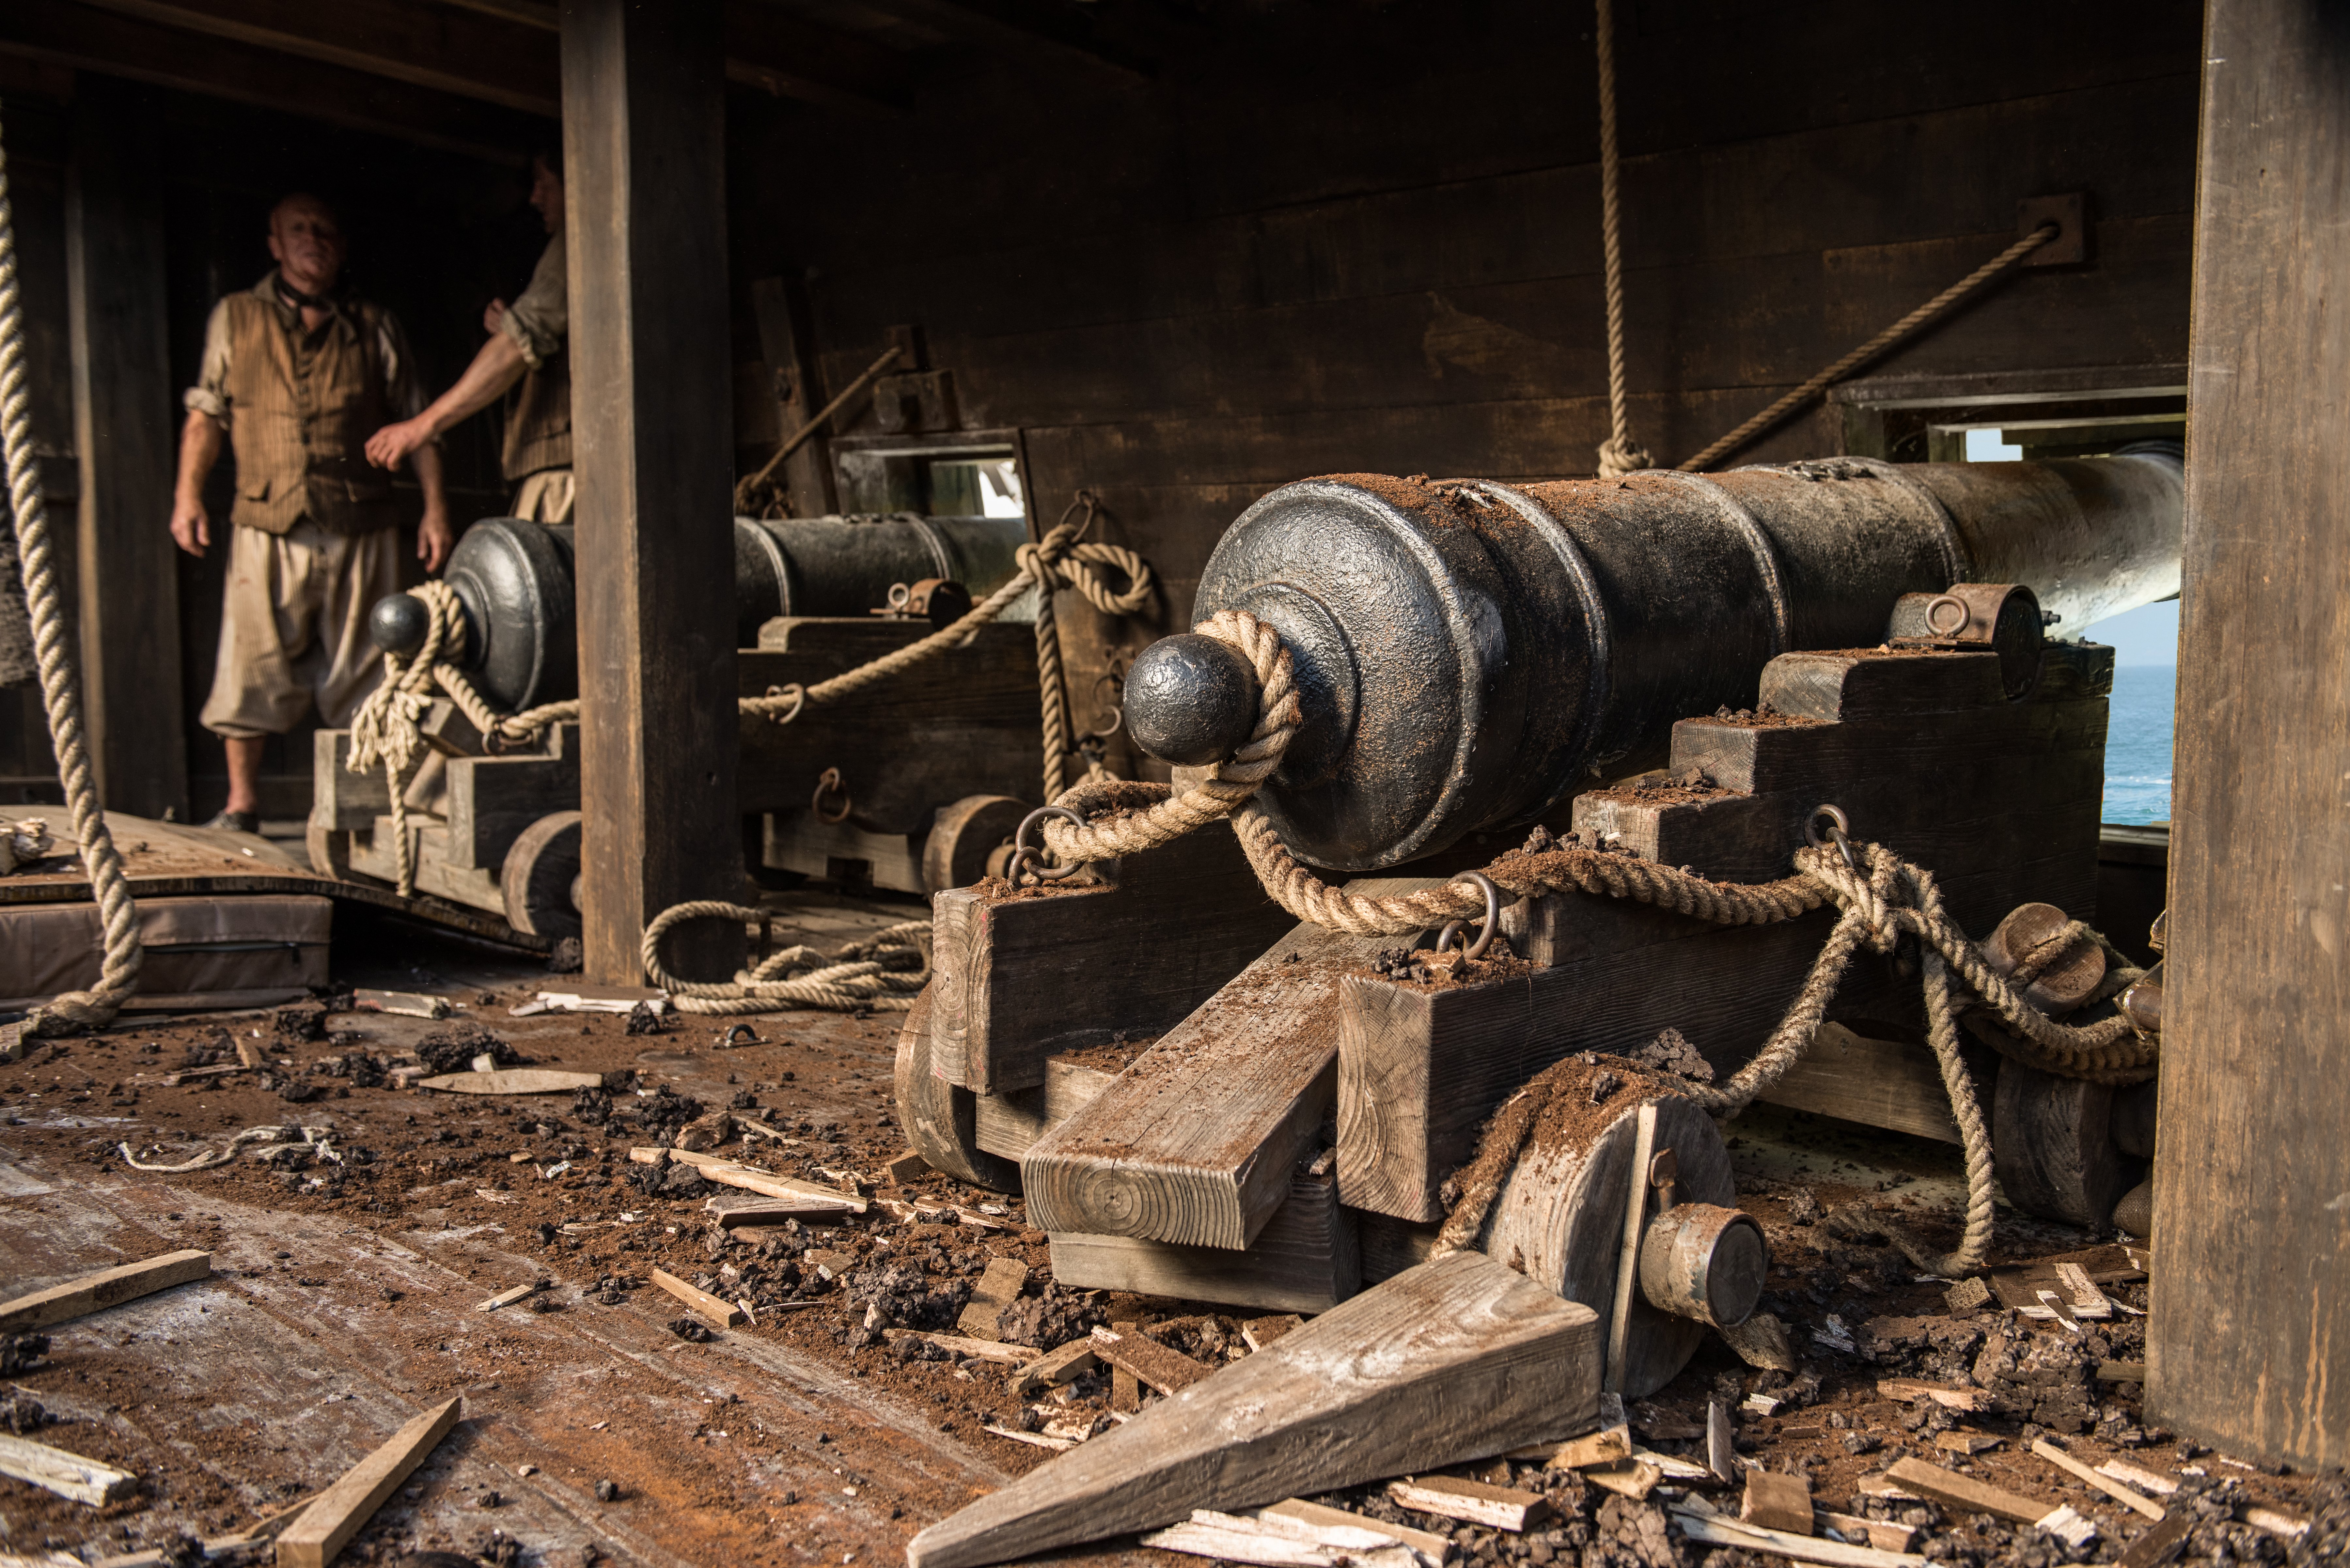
x=781 y=305
x=2250 y=1320
x=652 y=422
x=124 y=420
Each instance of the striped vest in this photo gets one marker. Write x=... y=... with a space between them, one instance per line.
x=300 y=417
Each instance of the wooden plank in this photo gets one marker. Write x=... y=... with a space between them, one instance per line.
x=1056 y=1367
x=1777 y=1502
x=514 y=1081
x=717 y=1311
x=1715 y=1531
x=2063 y=1461
x=1000 y=1285
x=977 y=1349
x=1430 y=1547
x=341 y=1511
x=2159 y=1545
x=491 y=799
x=644 y=147
x=750 y=1179
x=1020 y=979
x=107 y=1287
x=121 y=383
x=780 y=306
x=1305 y=1260
x=1456 y=1360
x=1495 y=1507
x=1965 y=1492
x=69 y=1475
x=1154 y=1364
x=2257 y=1006
x=1194 y=1142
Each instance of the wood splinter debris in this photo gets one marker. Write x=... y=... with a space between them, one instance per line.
x=998 y=1288
x=970 y=1349
x=1425 y=1544
x=1282 y=1543
x=720 y=1312
x=1473 y=1503
x=1966 y=1493
x=107 y=1287
x=1777 y=1502
x=341 y=1511
x=1055 y=1367
x=1700 y=1523
x=68 y=1475
x=1154 y=1364
x=508 y=1298
x=2106 y=1484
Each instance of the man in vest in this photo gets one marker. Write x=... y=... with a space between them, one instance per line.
x=526 y=346
x=295 y=373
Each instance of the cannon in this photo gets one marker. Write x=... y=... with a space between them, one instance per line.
x=909 y=789
x=1202 y=1099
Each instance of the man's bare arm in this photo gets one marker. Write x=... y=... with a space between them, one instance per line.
x=434 y=537
x=496 y=367
x=201 y=438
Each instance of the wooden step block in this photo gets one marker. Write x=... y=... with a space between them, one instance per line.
x=1874 y=683
x=1456 y=1360
x=1195 y=1141
x=1008 y=1123
x=1023 y=976
x=1305 y=1260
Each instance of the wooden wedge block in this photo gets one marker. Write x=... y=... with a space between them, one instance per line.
x=998 y=1288
x=1305 y=1260
x=1153 y=1365
x=107 y=1287
x=68 y=1475
x=730 y=1173
x=1019 y=979
x=1473 y=1503
x=341 y=1511
x=1965 y=1492
x=514 y=1081
x=1777 y=1502
x=1458 y=1359
x=2125 y=1495
x=720 y=1312
x=1430 y=1548
x=1196 y=1140
x=1056 y=1367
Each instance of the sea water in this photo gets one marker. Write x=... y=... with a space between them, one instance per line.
x=2137 y=743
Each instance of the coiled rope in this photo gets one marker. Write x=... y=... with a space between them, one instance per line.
x=60 y=688
x=1881 y=899
x=881 y=974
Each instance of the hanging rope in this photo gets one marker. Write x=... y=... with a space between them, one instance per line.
x=1901 y=329
x=61 y=689
x=1617 y=455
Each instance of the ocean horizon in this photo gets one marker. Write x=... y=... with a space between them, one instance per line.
x=2137 y=743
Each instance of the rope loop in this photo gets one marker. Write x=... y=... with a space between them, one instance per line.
x=880 y=974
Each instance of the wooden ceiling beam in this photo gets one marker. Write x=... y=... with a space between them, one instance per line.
x=438 y=46
x=85 y=37
x=1021 y=31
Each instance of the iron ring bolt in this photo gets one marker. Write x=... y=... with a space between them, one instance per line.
x=1934 y=615
x=1444 y=939
x=1838 y=828
x=830 y=785
x=1026 y=856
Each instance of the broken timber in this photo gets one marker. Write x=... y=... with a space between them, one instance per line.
x=514 y=1081
x=68 y=1475
x=109 y=1287
x=729 y=1173
x=719 y=1313
x=1458 y=1359
x=340 y=1512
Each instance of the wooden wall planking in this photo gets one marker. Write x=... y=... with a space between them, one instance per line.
x=2244 y=1344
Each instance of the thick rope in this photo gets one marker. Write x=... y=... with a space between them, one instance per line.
x=1869 y=350
x=60 y=689
x=880 y=975
x=1617 y=455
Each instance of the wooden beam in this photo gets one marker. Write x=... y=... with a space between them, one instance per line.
x=652 y=421
x=67 y=33
x=1458 y=1359
x=341 y=1511
x=2247 y=1318
x=123 y=423
x=1020 y=33
x=437 y=47
x=107 y=1287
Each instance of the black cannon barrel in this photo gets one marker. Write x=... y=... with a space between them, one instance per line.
x=513 y=580
x=1467 y=652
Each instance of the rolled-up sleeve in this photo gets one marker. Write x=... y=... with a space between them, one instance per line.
x=210 y=394
x=540 y=319
x=403 y=389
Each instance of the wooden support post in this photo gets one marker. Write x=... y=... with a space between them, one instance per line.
x=644 y=146
x=2248 y=1318
x=788 y=343
x=123 y=425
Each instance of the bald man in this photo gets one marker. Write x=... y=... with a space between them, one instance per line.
x=296 y=373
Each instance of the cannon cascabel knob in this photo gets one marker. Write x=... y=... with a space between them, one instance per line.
x=399 y=624
x=1191 y=699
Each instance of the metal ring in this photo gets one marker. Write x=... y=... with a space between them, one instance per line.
x=1839 y=826
x=830 y=783
x=1935 y=605
x=1492 y=923
x=1026 y=856
x=900 y=596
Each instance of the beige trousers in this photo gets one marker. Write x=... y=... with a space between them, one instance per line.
x=294 y=627
x=545 y=496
